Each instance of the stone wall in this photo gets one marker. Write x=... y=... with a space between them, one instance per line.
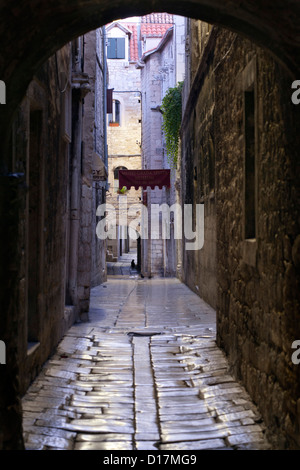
x=198 y=161
x=152 y=156
x=132 y=162
x=43 y=152
x=91 y=250
x=257 y=272
x=40 y=152
x=258 y=280
x=124 y=137
x=98 y=268
x=160 y=70
x=50 y=179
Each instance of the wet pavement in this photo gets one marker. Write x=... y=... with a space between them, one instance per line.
x=123 y=265
x=143 y=374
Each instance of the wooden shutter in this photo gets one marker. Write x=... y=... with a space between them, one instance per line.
x=121 y=48
x=111 y=48
x=116 y=48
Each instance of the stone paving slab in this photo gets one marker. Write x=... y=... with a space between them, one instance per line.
x=143 y=374
x=209 y=444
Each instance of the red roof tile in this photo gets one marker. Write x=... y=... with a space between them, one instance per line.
x=157 y=18
x=154 y=30
x=150 y=51
x=134 y=51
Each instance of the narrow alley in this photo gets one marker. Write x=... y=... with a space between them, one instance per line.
x=143 y=374
x=150 y=229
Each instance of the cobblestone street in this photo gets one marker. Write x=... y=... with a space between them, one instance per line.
x=143 y=374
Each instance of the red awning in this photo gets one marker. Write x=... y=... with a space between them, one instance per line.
x=144 y=178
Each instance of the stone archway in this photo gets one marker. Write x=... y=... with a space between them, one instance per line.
x=33 y=31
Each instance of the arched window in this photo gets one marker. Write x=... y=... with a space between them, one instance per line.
x=116 y=177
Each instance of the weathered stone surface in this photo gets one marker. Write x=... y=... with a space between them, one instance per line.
x=257 y=290
x=209 y=444
x=151 y=411
x=48 y=442
x=122 y=445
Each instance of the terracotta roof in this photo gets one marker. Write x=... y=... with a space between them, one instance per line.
x=154 y=30
x=157 y=18
x=134 y=51
x=161 y=43
x=117 y=24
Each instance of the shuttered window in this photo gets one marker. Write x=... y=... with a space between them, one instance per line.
x=116 y=48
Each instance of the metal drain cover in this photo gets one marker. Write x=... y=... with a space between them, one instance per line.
x=144 y=333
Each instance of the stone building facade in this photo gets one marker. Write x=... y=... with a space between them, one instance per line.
x=153 y=62
x=54 y=145
x=123 y=125
x=87 y=266
x=162 y=67
x=240 y=159
x=198 y=268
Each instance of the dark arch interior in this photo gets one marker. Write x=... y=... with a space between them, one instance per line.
x=31 y=33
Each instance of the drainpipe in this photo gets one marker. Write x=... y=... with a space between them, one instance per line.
x=74 y=181
x=80 y=87
x=74 y=199
x=105 y=102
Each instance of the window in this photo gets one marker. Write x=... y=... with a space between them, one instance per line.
x=117 y=111
x=114 y=117
x=116 y=48
x=116 y=177
x=250 y=184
